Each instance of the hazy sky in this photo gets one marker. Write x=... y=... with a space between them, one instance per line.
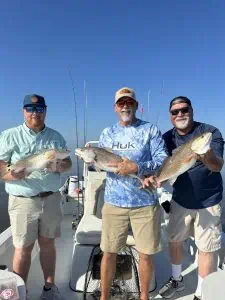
x=170 y=47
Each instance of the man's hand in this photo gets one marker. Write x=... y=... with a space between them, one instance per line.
x=211 y=161
x=205 y=157
x=151 y=182
x=126 y=167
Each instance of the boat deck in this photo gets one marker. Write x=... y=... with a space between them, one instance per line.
x=64 y=246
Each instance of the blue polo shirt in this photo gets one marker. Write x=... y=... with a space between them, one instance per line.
x=141 y=142
x=198 y=187
x=19 y=142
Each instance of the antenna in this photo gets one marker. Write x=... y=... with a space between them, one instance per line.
x=162 y=94
x=149 y=105
x=142 y=111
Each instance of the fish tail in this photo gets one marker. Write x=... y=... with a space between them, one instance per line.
x=148 y=190
x=137 y=177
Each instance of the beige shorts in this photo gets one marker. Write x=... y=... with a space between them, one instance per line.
x=145 y=223
x=203 y=224
x=33 y=217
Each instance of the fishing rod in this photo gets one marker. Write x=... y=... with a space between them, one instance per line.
x=75 y=112
x=85 y=112
x=162 y=94
x=74 y=223
x=148 y=105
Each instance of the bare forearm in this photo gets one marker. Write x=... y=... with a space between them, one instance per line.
x=212 y=162
x=215 y=164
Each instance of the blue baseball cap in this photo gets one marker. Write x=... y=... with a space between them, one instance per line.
x=30 y=100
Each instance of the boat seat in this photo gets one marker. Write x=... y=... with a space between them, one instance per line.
x=89 y=231
x=90 y=227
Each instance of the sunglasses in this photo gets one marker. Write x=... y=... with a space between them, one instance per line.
x=183 y=110
x=129 y=103
x=32 y=109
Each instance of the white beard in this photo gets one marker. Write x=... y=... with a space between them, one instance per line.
x=126 y=115
x=182 y=124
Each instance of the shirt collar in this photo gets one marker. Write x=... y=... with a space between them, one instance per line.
x=32 y=132
x=136 y=122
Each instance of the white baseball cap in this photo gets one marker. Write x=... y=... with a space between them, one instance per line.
x=125 y=92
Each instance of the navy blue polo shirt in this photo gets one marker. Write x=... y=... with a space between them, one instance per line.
x=198 y=187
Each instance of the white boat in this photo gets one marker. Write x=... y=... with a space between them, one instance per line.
x=81 y=233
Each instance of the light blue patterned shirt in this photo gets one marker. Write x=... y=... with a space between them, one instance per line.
x=142 y=143
x=17 y=143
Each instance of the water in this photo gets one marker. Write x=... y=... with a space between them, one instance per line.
x=4 y=218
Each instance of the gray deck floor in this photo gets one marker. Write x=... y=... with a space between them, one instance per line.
x=64 y=247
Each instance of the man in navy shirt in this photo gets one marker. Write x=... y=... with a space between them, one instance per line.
x=196 y=201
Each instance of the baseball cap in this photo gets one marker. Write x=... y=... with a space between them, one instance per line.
x=125 y=92
x=34 y=99
x=180 y=99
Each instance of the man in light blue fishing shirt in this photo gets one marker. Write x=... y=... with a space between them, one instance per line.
x=34 y=200
x=142 y=146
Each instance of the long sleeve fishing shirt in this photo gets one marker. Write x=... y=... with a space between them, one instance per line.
x=142 y=143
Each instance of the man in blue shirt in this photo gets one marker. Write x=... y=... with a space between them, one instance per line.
x=143 y=147
x=34 y=200
x=197 y=195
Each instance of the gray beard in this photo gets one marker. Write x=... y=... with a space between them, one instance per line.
x=182 y=124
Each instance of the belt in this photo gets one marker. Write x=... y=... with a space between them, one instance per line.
x=41 y=195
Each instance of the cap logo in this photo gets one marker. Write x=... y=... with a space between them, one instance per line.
x=34 y=99
x=124 y=91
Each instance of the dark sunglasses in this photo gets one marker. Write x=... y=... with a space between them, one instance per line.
x=32 y=109
x=183 y=110
x=129 y=103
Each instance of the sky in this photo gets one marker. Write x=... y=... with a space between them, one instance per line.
x=161 y=48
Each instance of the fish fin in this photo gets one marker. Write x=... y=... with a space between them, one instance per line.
x=108 y=149
x=172 y=180
x=147 y=190
x=62 y=155
x=137 y=177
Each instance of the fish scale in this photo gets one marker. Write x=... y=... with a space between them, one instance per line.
x=34 y=162
x=179 y=162
x=100 y=158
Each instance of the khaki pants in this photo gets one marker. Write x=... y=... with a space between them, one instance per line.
x=31 y=217
x=203 y=224
x=145 y=223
